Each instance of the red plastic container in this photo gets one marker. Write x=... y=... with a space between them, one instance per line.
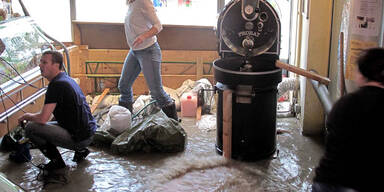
x=188 y=104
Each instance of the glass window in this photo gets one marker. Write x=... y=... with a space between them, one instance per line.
x=283 y=7
x=53 y=16
x=173 y=12
x=187 y=12
x=21 y=44
x=101 y=10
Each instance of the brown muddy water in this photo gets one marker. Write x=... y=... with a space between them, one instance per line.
x=197 y=168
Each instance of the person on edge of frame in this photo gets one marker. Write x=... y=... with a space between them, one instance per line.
x=355 y=132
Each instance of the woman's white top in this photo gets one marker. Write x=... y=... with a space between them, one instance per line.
x=140 y=17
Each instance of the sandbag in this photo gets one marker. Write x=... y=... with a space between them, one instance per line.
x=102 y=139
x=154 y=133
x=119 y=119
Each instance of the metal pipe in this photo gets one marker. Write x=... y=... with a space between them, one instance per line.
x=68 y=70
x=23 y=87
x=26 y=13
x=22 y=104
x=323 y=95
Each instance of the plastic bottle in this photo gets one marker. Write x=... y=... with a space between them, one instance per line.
x=188 y=104
x=7 y=5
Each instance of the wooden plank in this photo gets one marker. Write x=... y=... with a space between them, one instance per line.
x=305 y=73
x=118 y=75
x=72 y=5
x=198 y=113
x=341 y=65
x=227 y=124
x=107 y=54
x=74 y=55
x=172 y=73
x=188 y=55
x=172 y=37
x=94 y=106
x=199 y=68
x=76 y=37
x=167 y=55
x=166 y=68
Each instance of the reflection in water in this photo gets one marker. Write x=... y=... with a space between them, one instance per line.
x=198 y=168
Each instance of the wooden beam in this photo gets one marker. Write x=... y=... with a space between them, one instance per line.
x=305 y=73
x=342 y=77
x=199 y=68
x=227 y=124
x=94 y=106
x=72 y=4
x=140 y=75
x=72 y=7
x=198 y=113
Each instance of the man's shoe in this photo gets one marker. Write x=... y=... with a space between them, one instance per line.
x=80 y=155
x=170 y=111
x=21 y=155
x=52 y=165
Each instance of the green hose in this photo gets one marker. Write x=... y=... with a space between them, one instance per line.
x=142 y=109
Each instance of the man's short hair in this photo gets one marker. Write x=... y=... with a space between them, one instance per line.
x=371 y=64
x=57 y=57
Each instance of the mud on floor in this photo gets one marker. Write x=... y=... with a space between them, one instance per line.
x=198 y=168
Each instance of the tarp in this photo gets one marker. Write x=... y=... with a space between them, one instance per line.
x=153 y=133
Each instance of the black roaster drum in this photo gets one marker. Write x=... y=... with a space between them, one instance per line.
x=252 y=40
x=254 y=123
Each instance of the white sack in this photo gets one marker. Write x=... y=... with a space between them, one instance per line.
x=119 y=119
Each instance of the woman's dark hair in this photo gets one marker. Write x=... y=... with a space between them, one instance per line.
x=57 y=57
x=371 y=64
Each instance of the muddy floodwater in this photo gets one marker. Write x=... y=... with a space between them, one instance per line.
x=197 y=168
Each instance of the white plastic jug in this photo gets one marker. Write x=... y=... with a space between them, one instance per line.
x=188 y=104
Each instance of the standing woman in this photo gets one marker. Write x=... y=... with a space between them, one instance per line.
x=141 y=26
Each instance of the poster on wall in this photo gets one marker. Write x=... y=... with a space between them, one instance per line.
x=355 y=48
x=367 y=16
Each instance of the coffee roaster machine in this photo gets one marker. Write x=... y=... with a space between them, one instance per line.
x=247 y=79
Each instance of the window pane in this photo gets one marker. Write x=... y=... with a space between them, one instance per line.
x=187 y=12
x=101 y=10
x=180 y=12
x=53 y=16
x=284 y=10
x=21 y=44
x=56 y=21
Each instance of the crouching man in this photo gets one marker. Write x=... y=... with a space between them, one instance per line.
x=64 y=99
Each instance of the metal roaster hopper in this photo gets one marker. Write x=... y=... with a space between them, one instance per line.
x=247 y=79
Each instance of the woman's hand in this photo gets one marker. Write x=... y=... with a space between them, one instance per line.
x=139 y=40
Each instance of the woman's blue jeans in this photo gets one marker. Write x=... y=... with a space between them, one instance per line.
x=147 y=60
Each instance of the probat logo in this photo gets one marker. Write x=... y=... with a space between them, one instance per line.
x=249 y=33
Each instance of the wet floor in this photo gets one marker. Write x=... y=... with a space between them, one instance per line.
x=197 y=168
